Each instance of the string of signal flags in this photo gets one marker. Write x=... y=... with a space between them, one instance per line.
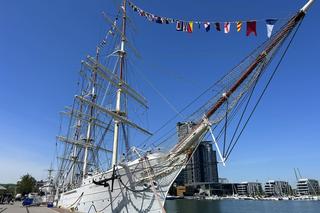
x=190 y=26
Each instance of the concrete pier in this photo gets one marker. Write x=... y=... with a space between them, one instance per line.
x=18 y=208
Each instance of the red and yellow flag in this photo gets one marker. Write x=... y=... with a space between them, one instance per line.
x=190 y=27
x=239 y=26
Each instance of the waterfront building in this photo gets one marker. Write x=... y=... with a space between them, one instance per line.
x=249 y=189
x=223 y=180
x=202 y=167
x=202 y=171
x=308 y=187
x=228 y=189
x=277 y=188
x=242 y=188
x=181 y=179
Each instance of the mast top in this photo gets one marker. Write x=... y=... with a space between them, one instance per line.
x=306 y=7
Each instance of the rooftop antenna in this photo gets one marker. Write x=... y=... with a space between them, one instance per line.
x=299 y=173
x=295 y=173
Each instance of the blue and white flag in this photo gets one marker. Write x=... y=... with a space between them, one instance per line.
x=207 y=26
x=270 y=24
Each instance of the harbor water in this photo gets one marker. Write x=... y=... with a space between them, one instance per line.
x=241 y=206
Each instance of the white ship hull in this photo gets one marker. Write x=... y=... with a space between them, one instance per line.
x=133 y=191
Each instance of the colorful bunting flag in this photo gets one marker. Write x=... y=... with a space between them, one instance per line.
x=226 y=27
x=135 y=9
x=270 y=24
x=218 y=28
x=141 y=13
x=251 y=28
x=187 y=26
x=190 y=27
x=149 y=16
x=207 y=26
x=179 y=25
x=239 y=26
x=164 y=20
x=158 y=19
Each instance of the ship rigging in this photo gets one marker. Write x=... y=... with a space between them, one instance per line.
x=91 y=174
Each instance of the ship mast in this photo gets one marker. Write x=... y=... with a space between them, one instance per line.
x=121 y=55
x=93 y=96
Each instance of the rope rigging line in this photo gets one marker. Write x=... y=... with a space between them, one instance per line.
x=152 y=183
x=113 y=199
x=233 y=115
x=161 y=95
x=251 y=55
x=77 y=200
x=261 y=45
x=265 y=88
x=242 y=115
x=82 y=86
x=68 y=164
x=100 y=143
x=63 y=165
x=225 y=129
x=133 y=190
x=118 y=177
x=95 y=209
x=239 y=105
x=159 y=141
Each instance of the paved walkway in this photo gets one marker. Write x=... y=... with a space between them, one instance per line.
x=18 y=208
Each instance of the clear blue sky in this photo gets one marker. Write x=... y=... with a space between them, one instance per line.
x=42 y=43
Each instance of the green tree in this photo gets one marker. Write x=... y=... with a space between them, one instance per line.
x=26 y=185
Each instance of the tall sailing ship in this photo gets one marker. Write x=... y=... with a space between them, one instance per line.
x=93 y=177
